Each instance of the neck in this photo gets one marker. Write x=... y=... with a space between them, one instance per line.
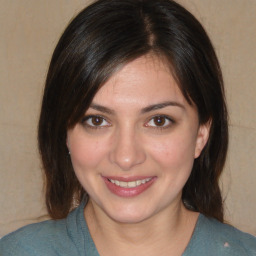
x=168 y=230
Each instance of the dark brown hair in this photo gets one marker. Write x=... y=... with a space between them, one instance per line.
x=109 y=34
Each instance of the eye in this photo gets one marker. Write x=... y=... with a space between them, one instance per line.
x=95 y=121
x=159 y=121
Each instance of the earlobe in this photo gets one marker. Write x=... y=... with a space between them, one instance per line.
x=67 y=144
x=202 y=138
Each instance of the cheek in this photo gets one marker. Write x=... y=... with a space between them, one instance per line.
x=86 y=154
x=176 y=151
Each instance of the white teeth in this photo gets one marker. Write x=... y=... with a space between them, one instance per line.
x=138 y=182
x=123 y=184
x=130 y=184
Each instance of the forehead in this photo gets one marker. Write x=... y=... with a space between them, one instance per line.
x=145 y=80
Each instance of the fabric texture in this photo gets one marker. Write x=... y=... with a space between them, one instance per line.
x=71 y=236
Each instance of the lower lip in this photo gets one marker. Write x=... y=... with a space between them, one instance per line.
x=128 y=192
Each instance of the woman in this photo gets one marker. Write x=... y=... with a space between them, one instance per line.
x=133 y=138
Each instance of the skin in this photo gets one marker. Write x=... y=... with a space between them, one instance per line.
x=122 y=135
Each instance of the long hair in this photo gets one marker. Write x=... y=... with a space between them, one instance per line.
x=104 y=37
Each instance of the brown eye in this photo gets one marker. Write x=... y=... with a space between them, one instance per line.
x=159 y=120
x=95 y=121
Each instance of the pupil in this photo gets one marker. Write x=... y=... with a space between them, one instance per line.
x=97 y=120
x=159 y=121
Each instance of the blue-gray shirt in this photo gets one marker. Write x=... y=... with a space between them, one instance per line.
x=71 y=236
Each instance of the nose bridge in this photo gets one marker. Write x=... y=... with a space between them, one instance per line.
x=126 y=151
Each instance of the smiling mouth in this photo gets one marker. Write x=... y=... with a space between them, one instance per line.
x=130 y=184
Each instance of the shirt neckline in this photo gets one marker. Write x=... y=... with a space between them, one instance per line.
x=91 y=250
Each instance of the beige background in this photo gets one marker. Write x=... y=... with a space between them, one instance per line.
x=29 y=30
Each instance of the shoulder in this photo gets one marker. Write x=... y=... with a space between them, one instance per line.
x=49 y=238
x=227 y=238
x=36 y=239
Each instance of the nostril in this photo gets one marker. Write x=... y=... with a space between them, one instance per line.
x=127 y=158
x=126 y=151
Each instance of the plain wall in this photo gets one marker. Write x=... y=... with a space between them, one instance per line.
x=29 y=32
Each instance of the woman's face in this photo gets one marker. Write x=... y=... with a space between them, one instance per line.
x=134 y=149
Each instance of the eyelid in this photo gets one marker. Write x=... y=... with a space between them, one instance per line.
x=87 y=117
x=171 y=121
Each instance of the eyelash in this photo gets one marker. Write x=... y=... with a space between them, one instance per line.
x=86 y=118
x=166 y=119
x=92 y=126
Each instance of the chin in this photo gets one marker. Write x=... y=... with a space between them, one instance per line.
x=128 y=219
x=128 y=215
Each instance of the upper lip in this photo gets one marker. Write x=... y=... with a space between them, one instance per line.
x=127 y=179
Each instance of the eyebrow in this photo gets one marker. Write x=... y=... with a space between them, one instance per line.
x=102 y=109
x=161 y=105
x=147 y=109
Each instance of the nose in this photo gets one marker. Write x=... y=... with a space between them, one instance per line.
x=127 y=151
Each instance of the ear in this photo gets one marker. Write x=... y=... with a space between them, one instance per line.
x=67 y=143
x=202 y=138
